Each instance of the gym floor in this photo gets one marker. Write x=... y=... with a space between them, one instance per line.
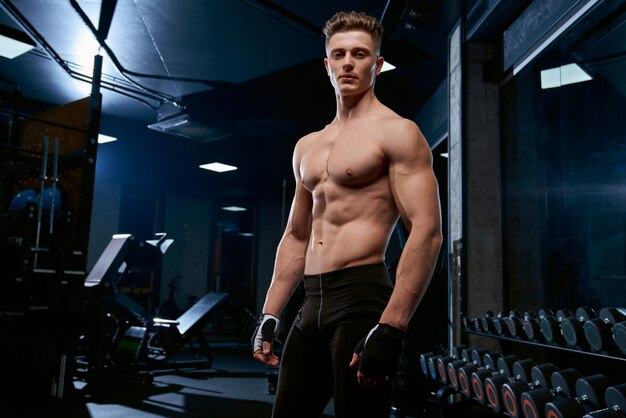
x=235 y=387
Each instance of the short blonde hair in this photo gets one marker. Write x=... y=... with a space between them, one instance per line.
x=346 y=21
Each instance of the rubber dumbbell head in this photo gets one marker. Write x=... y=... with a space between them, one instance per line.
x=493 y=391
x=432 y=366
x=572 y=327
x=452 y=370
x=615 y=397
x=504 y=364
x=442 y=364
x=531 y=328
x=520 y=383
x=550 y=329
x=534 y=401
x=564 y=381
x=591 y=389
x=619 y=336
x=424 y=363
x=464 y=373
x=478 y=377
x=590 y=393
x=598 y=330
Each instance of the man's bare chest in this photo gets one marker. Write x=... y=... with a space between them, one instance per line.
x=347 y=161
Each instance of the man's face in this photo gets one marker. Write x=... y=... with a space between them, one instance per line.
x=352 y=62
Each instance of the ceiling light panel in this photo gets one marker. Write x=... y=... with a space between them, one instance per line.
x=218 y=167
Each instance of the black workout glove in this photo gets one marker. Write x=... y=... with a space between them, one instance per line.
x=267 y=327
x=380 y=351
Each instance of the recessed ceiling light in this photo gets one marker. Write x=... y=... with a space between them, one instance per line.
x=13 y=42
x=563 y=75
x=246 y=234
x=387 y=66
x=103 y=139
x=234 y=209
x=218 y=167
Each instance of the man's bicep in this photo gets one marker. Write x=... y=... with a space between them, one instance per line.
x=414 y=184
x=417 y=199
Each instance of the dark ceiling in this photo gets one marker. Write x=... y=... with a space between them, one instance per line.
x=243 y=68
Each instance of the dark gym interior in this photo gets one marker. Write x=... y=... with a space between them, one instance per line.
x=131 y=278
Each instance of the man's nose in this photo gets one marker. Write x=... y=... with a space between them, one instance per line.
x=348 y=61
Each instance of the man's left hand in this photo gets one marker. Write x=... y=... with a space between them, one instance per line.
x=377 y=355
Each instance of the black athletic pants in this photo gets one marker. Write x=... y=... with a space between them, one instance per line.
x=339 y=309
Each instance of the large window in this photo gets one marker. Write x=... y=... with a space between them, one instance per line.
x=564 y=149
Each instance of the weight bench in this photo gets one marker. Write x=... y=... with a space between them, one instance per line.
x=151 y=340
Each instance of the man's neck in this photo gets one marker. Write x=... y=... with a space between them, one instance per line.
x=350 y=107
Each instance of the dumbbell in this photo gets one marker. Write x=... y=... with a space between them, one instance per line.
x=496 y=324
x=615 y=398
x=464 y=360
x=549 y=325
x=562 y=382
x=590 y=393
x=470 y=357
x=512 y=391
x=530 y=324
x=482 y=323
x=502 y=366
x=466 y=322
x=521 y=370
x=524 y=326
x=598 y=330
x=464 y=373
x=424 y=357
x=572 y=326
x=514 y=323
x=441 y=363
x=428 y=362
x=482 y=360
x=500 y=324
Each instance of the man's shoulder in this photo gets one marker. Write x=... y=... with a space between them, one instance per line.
x=400 y=137
x=387 y=118
x=395 y=125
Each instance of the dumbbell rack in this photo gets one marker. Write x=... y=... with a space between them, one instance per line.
x=548 y=346
x=505 y=385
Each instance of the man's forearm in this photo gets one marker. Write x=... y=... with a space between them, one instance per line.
x=288 y=271
x=413 y=275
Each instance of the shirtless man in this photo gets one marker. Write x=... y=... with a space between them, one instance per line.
x=354 y=179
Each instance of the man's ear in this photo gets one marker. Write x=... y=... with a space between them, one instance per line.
x=379 y=64
x=326 y=66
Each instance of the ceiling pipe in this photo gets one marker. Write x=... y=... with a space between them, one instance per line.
x=28 y=27
x=126 y=72
x=81 y=13
x=107 y=8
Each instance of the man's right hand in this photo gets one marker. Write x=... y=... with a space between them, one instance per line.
x=263 y=338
